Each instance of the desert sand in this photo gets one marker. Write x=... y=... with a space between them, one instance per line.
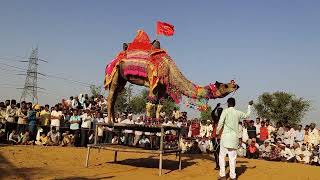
x=34 y=162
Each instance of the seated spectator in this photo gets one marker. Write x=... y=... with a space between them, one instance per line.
x=144 y=142
x=25 y=138
x=304 y=155
x=14 y=137
x=242 y=148
x=286 y=154
x=275 y=153
x=67 y=139
x=53 y=137
x=115 y=140
x=265 y=149
x=43 y=140
x=253 y=151
x=194 y=149
x=315 y=157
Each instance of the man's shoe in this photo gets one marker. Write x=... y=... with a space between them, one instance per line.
x=222 y=178
x=217 y=168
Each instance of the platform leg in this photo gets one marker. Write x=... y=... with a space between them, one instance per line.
x=180 y=161
x=160 y=165
x=87 y=159
x=115 y=156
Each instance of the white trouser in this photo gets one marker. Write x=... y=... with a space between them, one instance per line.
x=232 y=154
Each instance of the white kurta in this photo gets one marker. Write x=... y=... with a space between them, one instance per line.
x=229 y=121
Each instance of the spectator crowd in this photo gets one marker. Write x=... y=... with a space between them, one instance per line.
x=72 y=123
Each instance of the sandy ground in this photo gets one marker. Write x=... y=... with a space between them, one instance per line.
x=34 y=162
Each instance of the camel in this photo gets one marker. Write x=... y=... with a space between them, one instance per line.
x=145 y=64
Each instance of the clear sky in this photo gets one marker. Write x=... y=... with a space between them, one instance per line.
x=265 y=45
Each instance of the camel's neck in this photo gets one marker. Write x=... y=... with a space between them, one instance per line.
x=183 y=85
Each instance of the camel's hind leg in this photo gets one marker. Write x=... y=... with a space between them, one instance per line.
x=116 y=86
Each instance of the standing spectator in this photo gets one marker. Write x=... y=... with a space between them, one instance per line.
x=32 y=119
x=75 y=103
x=299 y=135
x=87 y=119
x=306 y=134
x=56 y=116
x=128 y=134
x=45 y=118
x=258 y=125
x=263 y=133
x=289 y=134
x=98 y=119
x=270 y=128
x=138 y=134
x=22 y=118
x=10 y=116
x=245 y=136
x=75 y=127
x=280 y=130
x=2 y=113
x=194 y=128
x=313 y=135
x=252 y=131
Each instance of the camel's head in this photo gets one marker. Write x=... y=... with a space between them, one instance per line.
x=221 y=90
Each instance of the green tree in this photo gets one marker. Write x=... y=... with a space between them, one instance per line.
x=138 y=103
x=95 y=90
x=121 y=103
x=168 y=105
x=205 y=115
x=282 y=107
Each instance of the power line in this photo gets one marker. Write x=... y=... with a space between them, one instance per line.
x=49 y=75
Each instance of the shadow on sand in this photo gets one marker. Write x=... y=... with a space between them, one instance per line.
x=153 y=162
x=7 y=169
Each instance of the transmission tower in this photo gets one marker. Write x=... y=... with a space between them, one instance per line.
x=30 y=89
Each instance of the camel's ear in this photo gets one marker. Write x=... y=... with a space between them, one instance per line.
x=124 y=46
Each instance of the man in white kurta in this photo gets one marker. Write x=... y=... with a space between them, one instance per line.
x=229 y=123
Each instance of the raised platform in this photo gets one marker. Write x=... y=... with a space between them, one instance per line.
x=136 y=127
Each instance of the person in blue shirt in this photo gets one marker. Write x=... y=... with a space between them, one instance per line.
x=32 y=119
x=75 y=126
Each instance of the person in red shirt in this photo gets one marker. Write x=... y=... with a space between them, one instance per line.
x=195 y=128
x=263 y=132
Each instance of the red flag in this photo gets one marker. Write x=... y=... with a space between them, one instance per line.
x=165 y=29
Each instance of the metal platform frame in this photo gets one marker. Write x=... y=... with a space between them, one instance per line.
x=121 y=148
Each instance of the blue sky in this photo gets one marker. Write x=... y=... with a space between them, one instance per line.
x=265 y=45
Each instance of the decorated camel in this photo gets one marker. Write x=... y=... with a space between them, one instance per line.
x=145 y=64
